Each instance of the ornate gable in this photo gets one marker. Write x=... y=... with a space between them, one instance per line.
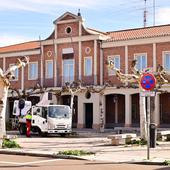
x=67 y=16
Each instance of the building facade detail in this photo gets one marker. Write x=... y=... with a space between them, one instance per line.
x=75 y=53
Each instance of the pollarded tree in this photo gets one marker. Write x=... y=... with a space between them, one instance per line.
x=5 y=77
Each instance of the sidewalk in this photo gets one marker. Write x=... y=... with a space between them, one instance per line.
x=95 y=142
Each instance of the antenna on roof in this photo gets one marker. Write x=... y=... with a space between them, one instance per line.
x=79 y=14
x=153 y=12
x=145 y=15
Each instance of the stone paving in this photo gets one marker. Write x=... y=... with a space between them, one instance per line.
x=95 y=142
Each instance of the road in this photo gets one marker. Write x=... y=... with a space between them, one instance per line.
x=13 y=162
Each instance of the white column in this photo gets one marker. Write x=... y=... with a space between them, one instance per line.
x=95 y=99
x=126 y=59
x=154 y=57
x=55 y=36
x=102 y=113
x=80 y=61
x=101 y=66
x=142 y=106
x=95 y=62
x=81 y=111
x=157 y=109
x=104 y=109
x=22 y=78
x=128 y=110
x=4 y=64
x=55 y=65
x=42 y=58
x=80 y=28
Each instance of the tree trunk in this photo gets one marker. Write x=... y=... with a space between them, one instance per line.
x=4 y=85
x=3 y=100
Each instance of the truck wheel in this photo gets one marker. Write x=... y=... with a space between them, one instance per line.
x=42 y=134
x=62 y=134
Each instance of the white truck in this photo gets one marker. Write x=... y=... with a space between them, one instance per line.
x=46 y=119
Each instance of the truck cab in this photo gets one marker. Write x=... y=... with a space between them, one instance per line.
x=46 y=119
x=56 y=119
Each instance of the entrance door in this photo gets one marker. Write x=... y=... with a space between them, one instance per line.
x=88 y=115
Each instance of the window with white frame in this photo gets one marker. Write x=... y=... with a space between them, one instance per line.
x=33 y=70
x=87 y=66
x=166 y=61
x=141 y=61
x=49 y=69
x=116 y=60
x=68 y=70
x=16 y=72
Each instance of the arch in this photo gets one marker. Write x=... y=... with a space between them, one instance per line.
x=135 y=110
x=115 y=110
x=164 y=110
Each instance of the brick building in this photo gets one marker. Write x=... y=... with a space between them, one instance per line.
x=73 y=52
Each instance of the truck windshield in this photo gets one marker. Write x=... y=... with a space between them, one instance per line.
x=58 y=112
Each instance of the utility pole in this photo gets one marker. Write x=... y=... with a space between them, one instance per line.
x=153 y=12
x=145 y=15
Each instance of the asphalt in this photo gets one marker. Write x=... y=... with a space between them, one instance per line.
x=98 y=143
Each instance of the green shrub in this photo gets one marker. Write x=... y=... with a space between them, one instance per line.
x=7 y=143
x=75 y=152
x=166 y=162
x=137 y=142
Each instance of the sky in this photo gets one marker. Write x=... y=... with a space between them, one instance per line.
x=27 y=20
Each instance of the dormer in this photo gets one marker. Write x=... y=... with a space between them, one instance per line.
x=68 y=25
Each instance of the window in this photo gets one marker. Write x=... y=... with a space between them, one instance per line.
x=88 y=66
x=116 y=61
x=33 y=70
x=68 y=70
x=68 y=30
x=166 y=61
x=49 y=69
x=16 y=72
x=141 y=61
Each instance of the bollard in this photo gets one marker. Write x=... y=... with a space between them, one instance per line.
x=152 y=130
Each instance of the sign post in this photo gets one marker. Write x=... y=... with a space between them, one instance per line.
x=148 y=82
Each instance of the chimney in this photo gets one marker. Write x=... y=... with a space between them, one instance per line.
x=79 y=14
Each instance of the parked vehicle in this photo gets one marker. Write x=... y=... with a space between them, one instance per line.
x=46 y=119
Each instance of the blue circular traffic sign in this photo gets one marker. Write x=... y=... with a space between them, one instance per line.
x=148 y=81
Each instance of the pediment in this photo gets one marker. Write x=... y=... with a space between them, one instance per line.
x=67 y=16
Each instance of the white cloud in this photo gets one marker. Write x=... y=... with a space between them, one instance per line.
x=51 y=6
x=44 y=6
x=163 y=16
x=12 y=39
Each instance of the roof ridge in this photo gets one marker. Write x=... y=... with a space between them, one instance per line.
x=132 y=29
x=20 y=43
x=96 y=30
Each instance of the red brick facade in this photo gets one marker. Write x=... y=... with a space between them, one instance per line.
x=90 y=43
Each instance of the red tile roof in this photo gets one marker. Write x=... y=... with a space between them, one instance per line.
x=130 y=34
x=32 y=45
x=137 y=33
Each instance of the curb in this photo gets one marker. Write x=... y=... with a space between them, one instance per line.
x=38 y=154
x=55 y=155
x=147 y=163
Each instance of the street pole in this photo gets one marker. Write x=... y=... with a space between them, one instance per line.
x=148 y=124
